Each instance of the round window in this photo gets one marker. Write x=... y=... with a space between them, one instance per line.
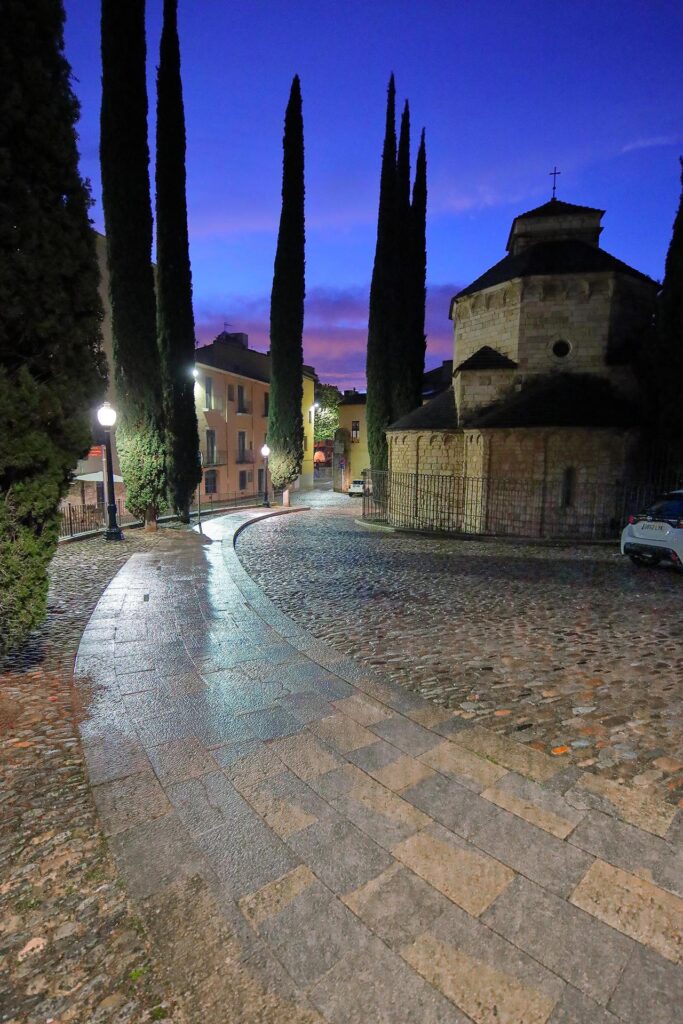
x=561 y=349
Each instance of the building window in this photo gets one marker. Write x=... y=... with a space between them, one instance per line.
x=266 y=404
x=568 y=487
x=231 y=392
x=310 y=415
x=355 y=430
x=241 y=445
x=250 y=477
x=243 y=479
x=241 y=403
x=210 y=447
x=561 y=349
x=261 y=480
x=210 y=481
x=208 y=392
x=305 y=443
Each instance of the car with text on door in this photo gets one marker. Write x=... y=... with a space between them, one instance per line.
x=656 y=534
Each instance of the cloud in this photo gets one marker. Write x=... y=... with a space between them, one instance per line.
x=652 y=142
x=335 y=328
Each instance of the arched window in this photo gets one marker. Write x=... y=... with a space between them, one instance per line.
x=568 y=487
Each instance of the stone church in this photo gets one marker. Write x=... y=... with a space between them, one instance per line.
x=538 y=432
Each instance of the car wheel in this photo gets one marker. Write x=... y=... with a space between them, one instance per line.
x=645 y=560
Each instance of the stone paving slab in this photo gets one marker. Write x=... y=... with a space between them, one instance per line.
x=371 y=857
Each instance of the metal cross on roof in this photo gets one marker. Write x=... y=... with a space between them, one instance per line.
x=553 y=174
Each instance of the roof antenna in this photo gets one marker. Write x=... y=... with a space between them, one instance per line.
x=553 y=174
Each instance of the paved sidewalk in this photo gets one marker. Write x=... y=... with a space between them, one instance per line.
x=311 y=842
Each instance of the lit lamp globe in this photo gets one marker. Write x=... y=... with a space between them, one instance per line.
x=106 y=414
x=265 y=451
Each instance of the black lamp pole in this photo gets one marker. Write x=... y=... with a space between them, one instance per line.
x=107 y=418
x=265 y=452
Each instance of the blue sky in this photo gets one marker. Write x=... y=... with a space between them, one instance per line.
x=505 y=90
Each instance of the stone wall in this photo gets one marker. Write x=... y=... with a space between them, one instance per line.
x=534 y=482
x=477 y=389
x=490 y=317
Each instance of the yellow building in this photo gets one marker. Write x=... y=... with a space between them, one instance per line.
x=232 y=395
x=351 y=441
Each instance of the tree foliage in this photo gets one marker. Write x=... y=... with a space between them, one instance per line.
x=328 y=398
x=396 y=339
x=664 y=355
x=285 y=421
x=383 y=289
x=175 y=319
x=124 y=158
x=52 y=371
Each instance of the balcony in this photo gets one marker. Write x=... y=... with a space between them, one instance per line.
x=245 y=458
x=243 y=408
x=214 y=457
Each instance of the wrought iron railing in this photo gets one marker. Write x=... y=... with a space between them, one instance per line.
x=76 y=519
x=503 y=507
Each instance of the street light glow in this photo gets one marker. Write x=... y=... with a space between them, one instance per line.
x=265 y=451
x=195 y=372
x=106 y=414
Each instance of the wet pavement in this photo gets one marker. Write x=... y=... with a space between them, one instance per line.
x=310 y=841
x=567 y=649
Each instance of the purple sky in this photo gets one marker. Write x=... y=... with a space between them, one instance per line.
x=504 y=90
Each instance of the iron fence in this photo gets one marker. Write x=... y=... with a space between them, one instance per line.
x=503 y=507
x=76 y=519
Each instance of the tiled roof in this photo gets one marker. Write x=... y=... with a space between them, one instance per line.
x=563 y=400
x=487 y=358
x=568 y=256
x=439 y=414
x=558 y=208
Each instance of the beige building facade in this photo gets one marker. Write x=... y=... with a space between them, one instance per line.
x=541 y=420
x=350 y=457
x=232 y=394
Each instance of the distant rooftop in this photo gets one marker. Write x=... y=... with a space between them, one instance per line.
x=230 y=351
x=353 y=397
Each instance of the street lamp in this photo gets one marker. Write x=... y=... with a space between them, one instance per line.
x=265 y=452
x=195 y=372
x=107 y=417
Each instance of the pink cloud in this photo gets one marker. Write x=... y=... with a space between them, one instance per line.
x=335 y=329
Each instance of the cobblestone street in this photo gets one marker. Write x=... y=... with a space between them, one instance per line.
x=570 y=649
x=71 y=949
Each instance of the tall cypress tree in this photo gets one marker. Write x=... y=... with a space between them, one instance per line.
x=382 y=314
x=669 y=341
x=124 y=157
x=417 y=285
x=402 y=386
x=52 y=371
x=175 y=320
x=285 y=421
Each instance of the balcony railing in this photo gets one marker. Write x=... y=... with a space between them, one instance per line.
x=214 y=457
x=244 y=458
x=243 y=407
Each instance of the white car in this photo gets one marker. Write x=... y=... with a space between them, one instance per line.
x=656 y=535
x=355 y=489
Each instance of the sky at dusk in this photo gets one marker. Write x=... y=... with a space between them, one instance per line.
x=505 y=90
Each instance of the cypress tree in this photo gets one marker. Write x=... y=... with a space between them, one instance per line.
x=417 y=285
x=669 y=341
x=52 y=371
x=402 y=391
x=124 y=157
x=175 y=320
x=285 y=421
x=382 y=313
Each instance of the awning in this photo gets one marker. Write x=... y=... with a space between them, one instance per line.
x=96 y=478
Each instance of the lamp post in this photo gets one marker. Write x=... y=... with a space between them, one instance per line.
x=107 y=418
x=265 y=452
